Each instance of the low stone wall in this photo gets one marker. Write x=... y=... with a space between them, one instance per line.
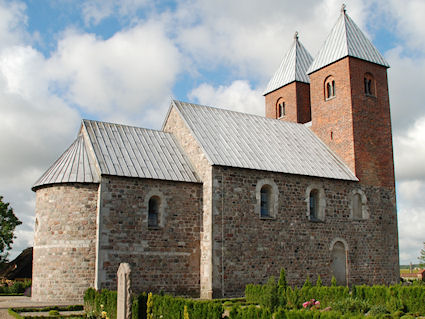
x=64 y=242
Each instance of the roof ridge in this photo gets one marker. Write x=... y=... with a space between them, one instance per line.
x=240 y=112
x=126 y=125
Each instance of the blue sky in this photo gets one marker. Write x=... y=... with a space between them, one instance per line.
x=122 y=61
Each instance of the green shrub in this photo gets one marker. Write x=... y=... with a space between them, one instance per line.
x=377 y=310
x=97 y=301
x=352 y=305
x=54 y=313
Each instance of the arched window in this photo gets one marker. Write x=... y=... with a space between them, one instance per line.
x=369 y=84
x=358 y=205
x=339 y=260
x=267 y=198
x=280 y=108
x=266 y=191
x=316 y=202
x=329 y=87
x=153 y=211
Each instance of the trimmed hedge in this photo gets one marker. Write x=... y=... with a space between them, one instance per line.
x=17 y=288
x=168 y=307
x=97 y=301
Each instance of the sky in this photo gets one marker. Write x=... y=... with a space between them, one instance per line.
x=123 y=61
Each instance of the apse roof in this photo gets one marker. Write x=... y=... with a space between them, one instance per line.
x=293 y=67
x=346 y=39
x=243 y=140
x=113 y=149
x=75 y=165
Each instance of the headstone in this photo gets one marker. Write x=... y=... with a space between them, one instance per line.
x=124 y=292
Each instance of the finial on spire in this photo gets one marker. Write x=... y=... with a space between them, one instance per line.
x=296 y=36
x=343 y=8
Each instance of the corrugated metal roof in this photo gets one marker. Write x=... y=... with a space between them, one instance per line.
x=293 y=67
x=120 y=150
x=236 y=139
x=346 y=39
x=129 y=151
x=74 y=165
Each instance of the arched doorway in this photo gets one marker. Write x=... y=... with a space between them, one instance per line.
x=339 y=262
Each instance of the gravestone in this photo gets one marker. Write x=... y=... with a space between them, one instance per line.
x=124 y=291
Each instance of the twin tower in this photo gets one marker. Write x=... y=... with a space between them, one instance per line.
x=343 y=92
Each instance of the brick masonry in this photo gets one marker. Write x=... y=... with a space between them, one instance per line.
x=64 y=242
x=296 y=96
x=355 y=126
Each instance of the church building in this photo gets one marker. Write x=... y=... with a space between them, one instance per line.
x=219 y=199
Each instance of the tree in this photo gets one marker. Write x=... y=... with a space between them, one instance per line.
x=421 y=258
x=8 y=222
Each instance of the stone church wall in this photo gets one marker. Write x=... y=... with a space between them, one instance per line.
x=181 y=132
x=64 y=242
x=162 y=258
x=250 y=249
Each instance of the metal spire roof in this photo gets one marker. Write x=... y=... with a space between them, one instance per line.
x=346 y=39
x=74 y=165
x=293 y=67
x=243 y=140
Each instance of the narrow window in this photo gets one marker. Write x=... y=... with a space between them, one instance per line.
x=329 y=91
x=369 y=84
x=357 y=206
x=314 y=205
x=265 y=201
x=329 y=87
x=281 y=109
x=153 y=211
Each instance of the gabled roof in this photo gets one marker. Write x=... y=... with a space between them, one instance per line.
x=346 y=39
x=112 y=149
x=293 y=67
x=74 y=165
x=242 y=140
x=129 y=151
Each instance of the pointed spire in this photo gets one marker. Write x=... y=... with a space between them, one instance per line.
x=292 y=68
x=346 y=39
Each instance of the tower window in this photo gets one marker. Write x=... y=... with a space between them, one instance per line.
x=281 y=112
x=153 y=212
x=369 y=84
x=329 y=87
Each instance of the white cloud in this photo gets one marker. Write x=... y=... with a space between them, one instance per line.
x=238 y=96
x=95 y=11
x=132 y=70
x=409 y=154
x=12 y=23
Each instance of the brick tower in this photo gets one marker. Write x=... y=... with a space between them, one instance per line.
x=350 y=105
x=288 y=92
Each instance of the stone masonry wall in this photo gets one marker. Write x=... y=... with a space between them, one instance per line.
x=250 y=249
x=64 y=242
x=175 y=125
x=162 y=258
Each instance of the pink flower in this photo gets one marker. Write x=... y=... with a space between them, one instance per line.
x=305 y=304
x=317 y=302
